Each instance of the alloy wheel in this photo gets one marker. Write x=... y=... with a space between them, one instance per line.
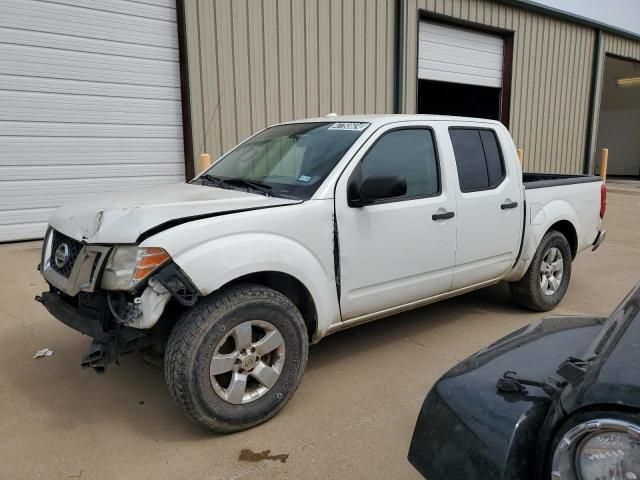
x=551 y=270
x=247 y=362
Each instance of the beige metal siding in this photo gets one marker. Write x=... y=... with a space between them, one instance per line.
x=622 y=47
x=552 y=64
x=615 y=45
x=278 y=60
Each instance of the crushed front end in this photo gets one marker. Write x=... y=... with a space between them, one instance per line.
x=114 y=294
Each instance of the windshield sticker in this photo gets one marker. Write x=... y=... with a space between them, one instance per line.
x=304 y=178
x=351 y=126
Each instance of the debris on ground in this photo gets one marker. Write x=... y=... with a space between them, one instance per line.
x=45 y=352
x=247 y=455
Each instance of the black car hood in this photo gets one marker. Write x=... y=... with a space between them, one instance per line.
x=613 y=377
x=466 y=429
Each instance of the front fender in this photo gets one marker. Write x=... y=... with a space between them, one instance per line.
x=215 y=263
x=541 y=218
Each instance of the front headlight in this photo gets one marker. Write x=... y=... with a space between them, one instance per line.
x=598 y=450
x=128 y=265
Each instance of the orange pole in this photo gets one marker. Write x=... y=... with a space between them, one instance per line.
x=604 y=162
x=204 y=162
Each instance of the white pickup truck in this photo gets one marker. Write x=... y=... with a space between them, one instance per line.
x=305 y=229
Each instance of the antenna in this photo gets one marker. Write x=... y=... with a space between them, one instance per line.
x=215 y=110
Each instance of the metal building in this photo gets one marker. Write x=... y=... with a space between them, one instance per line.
x=117 y=94
x=537 y=70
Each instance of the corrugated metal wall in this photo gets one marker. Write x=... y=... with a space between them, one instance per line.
x=622 y=47
x=552 y=65
x=90 y=102
x=277 y=60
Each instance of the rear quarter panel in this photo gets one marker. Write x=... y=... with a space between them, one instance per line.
x=578 y=204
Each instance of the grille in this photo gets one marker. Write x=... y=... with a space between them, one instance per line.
x=74 y=249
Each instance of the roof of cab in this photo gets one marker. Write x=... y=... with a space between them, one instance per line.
x=382 y=119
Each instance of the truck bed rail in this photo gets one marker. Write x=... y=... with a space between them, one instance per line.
x=543 y=180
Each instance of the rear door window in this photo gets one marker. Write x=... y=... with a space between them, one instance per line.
x=478 y=158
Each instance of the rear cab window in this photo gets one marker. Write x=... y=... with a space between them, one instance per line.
x=478 y=158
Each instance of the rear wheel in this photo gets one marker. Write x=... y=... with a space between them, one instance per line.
x=547 y=279
x=234 y=360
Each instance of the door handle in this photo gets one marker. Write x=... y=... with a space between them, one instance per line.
x=507 y=206
x=442 y=216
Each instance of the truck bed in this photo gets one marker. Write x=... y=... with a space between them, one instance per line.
x=542 y=180
x=574 y=198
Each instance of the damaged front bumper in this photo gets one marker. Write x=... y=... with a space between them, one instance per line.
x=88 y=314
x=119 y=321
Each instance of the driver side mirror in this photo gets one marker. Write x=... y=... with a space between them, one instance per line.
x=375 y=188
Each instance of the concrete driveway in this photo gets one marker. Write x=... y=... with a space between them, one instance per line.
x=352 y=417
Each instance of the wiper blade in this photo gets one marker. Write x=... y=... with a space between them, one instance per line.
x=218 y=182
x=236 y=182
x=256 y=185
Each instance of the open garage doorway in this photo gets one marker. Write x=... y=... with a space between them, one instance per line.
x=445 y=98
x=463 y=71
x=619 y=123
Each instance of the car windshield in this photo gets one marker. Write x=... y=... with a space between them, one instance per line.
x=289 y=161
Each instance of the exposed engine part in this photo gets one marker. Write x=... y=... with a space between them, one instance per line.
x=144 y=311
x=149 y=306
x=121 y=309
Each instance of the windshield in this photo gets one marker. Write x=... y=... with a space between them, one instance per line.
x=288 y=161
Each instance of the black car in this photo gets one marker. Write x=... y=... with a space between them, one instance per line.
x=559 y=399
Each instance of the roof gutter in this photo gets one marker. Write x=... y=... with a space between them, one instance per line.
x=594 y=107
x=399 y=56
x=571 y=17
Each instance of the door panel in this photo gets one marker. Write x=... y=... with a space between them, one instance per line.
x=489 y=208
x=394 y=252
x=488 y=236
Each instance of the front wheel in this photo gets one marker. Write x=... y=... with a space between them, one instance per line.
x=547 y=278
x=235 y=359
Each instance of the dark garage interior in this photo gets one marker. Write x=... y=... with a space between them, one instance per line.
x=446 y=98
x=619 y=125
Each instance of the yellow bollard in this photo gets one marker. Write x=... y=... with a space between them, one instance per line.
x=204 y=162
x=604 y=161
x=520 y=155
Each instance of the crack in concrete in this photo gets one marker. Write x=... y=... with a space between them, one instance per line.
x=437 y=352
x=22 y=321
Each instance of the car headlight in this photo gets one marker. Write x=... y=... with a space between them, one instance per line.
x=599 y=449
x=128 y=265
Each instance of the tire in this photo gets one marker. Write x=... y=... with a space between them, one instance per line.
x=218 y=325
x=528 y=291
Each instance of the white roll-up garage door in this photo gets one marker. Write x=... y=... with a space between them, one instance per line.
x=450 y=54
x=89 y=102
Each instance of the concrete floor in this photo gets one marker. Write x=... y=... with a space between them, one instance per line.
x=352 y=417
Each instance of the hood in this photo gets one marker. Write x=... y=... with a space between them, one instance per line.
x=467 y=429
x=122 y=217
x=613 y=372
